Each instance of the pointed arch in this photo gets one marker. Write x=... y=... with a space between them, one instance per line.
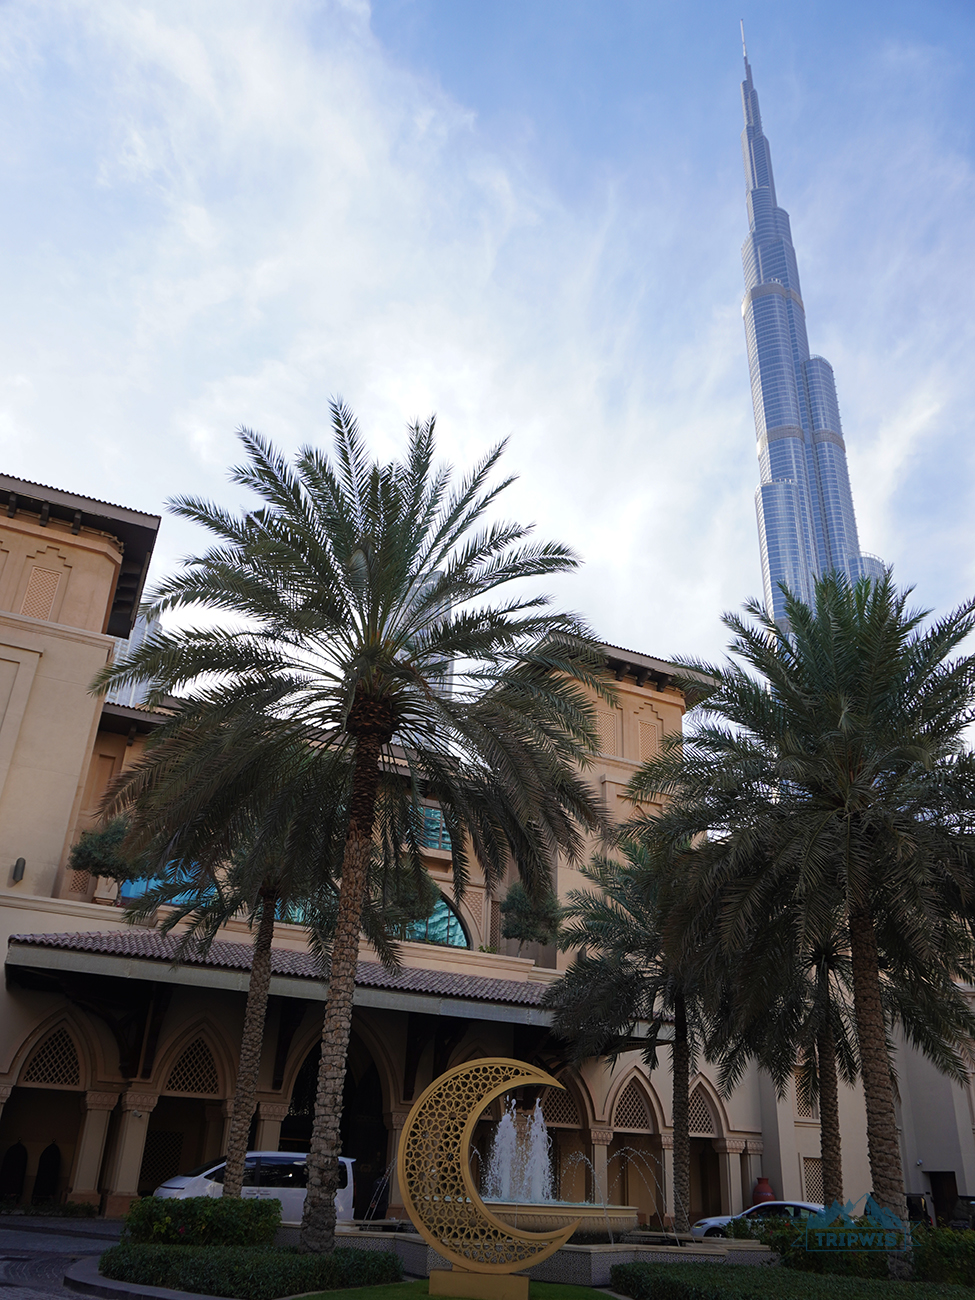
x=57 y=1053
x=197 y=1062
x=705 y=1111
x=633 y=1106
x=575 y=1098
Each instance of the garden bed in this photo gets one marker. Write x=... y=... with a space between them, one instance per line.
x=705 y=1281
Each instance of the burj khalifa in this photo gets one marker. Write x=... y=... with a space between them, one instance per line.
x=806 y=523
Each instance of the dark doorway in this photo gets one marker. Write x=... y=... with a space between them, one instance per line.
x=363 y=1131
x=944 y=1193
x=705 y=1180
x=13 y=1170
x=48 y=1173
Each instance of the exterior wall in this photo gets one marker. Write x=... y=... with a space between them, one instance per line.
x=122 y=1122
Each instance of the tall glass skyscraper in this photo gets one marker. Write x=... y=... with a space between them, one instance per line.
x=806 y=524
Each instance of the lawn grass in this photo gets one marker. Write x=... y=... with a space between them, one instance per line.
x=420 y=1289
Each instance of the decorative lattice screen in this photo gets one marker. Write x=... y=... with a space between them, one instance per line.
x=812 y=1177
x=42 y=587
x=631 y=1109
x=79 y=881
x=54 y=1063
x=805 y=1109
x=160 y=1158
x=608 y=726
x=195 y=1071
x=701 y=1121
x=649 y=741
x=559 y=1109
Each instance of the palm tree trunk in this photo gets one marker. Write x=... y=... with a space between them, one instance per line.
x=318 y=1220
x=251 y=1044
x=883 y=1147
x=681 y=1063
x=829 y=1116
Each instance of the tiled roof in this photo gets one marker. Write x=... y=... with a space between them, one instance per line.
x=150 y=945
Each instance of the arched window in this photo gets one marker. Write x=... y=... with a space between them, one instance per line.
x=443 y=926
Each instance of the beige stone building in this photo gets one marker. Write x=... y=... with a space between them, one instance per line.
x=117 y=1069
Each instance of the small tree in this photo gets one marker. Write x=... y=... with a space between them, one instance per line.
x=103 y=852
x=530 y=919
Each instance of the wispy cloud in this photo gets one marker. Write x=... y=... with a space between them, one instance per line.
x=227 y=213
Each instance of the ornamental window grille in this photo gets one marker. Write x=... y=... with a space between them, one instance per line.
x=631 y=1110
x=195 y=1071
x=55 y=1063
x=559 y=1109
x=649 y=741
x=700 y=1116
x=812 y=1178
x=160 y=1157
x=609 y=729
x=805 y=1106
x=42 y=587
x=79 y=881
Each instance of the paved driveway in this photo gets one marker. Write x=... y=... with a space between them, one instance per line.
x=35 y=1252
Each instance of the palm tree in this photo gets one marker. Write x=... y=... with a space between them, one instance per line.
x=829 y=771
x=787 y=1007
x=224 y=828
x=360 y=598
x=624 y=974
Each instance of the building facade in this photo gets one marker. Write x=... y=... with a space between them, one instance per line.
x=117 y=1069
x=806 y=522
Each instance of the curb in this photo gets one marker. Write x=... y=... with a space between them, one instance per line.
x=85 y=1278
x=16 y=1225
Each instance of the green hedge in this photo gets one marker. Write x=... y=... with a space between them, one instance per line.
x=707 y=1281
x=51 y=1210
x=247 y=1273
x=939 y=1255
x=202 y=1221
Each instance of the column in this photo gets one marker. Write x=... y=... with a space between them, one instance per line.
x=217 y=1132
x=729 y=1166
x=751 y=1168
x=395 y=1122
x=270 y=1115
x=123 y=1174
x=667 y=1169
x=83 y=1186
x=600 y=1139
x=5 y=1090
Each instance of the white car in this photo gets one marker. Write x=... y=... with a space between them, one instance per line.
x=795 y=1211
x=268 y=1176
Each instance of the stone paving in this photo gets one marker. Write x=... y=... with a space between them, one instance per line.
x=35 y=1252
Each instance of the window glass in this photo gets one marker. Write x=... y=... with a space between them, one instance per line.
x=441 y=926
x=434 y=831
x=283 y=1173
x=250 y=1173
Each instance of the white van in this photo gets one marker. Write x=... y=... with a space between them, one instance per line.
x=268 y=1176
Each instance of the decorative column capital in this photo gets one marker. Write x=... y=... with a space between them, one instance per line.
x=600 y=1137
x=272 y=1110
x=754 y=1146
x=141 y=1101
x=5 y=1090
x=396 y=1119
x=666 y=1141
x=105 y=1101
x=729 y=1146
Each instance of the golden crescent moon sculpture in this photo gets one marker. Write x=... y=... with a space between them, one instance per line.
x=433 y=1166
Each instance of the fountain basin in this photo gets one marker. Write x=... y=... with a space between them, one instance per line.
x=548 y=1216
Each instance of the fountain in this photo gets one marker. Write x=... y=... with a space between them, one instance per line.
x=518 y=1183
x=487 y=1244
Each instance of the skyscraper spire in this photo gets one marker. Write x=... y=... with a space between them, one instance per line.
x=806 y=523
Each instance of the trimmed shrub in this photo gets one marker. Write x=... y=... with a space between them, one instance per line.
x=202 y=1221
x=247 y=1273
x=707 y=1281
x=944 y=1255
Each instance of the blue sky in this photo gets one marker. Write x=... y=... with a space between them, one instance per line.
x=525 y=216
